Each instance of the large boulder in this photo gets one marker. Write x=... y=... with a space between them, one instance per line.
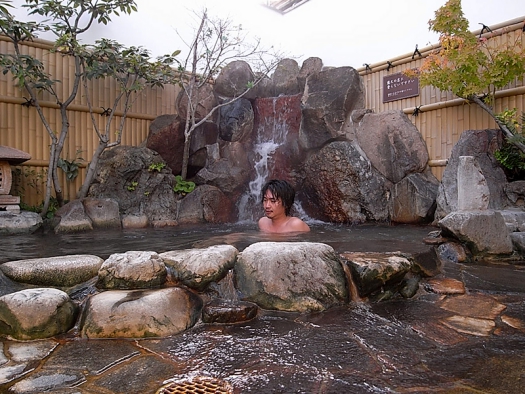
x=197 y=268
x=126 y=175
x=343 y=187
x=480 y=144
x=233 y=79
x=140 y=313
x=36 y=313
x=393 y=144
x=291 y=276
x=328 y=97
x=284 y=78
x=60 y=271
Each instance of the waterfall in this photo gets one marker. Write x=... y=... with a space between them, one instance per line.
x=272 y=129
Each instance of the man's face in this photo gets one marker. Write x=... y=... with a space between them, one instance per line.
x=273 y=207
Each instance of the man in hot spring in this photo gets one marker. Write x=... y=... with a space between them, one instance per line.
x=277 y=200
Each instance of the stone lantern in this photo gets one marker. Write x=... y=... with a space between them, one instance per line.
x=9 y=156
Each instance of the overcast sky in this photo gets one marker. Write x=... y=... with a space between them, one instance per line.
x=340 y=32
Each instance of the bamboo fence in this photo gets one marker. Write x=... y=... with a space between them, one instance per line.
x=441 y=120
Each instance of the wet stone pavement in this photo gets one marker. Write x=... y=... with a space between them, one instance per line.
x=464 y=332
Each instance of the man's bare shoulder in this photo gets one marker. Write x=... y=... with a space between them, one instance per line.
x=296 y=224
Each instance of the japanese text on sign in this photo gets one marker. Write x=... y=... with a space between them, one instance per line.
x=399 y=86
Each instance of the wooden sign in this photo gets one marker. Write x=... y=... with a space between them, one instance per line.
x=399 y=86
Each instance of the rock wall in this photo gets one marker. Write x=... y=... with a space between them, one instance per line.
x=347 y=164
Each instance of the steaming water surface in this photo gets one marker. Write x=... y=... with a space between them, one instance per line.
x=398 y=346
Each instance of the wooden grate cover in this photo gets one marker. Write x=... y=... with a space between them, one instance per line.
x=197 y=385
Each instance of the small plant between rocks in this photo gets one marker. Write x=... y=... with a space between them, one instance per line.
x=183 y=187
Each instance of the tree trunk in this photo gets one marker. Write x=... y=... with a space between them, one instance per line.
x=503 y=127
x=186 y=153
x=92 y=169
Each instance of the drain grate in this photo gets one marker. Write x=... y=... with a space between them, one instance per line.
x=197 y=385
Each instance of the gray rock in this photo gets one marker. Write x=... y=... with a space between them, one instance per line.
x=124 y=175
x=291 y=276
x=373 y=272
x=515 y=192
x=36 y=313
x=23 y=354
x=31 y=351
x=426 y=264
x=104 y=212
x=452 y=252
x=60 y=271
x=514 y=219
x=140 y=313
x=205 y=100
x=71 y=218
x=518 y=240
x=328 y=97
x=223 y=175
x=233 y=79
x=197 y=268
x=228 y=312
x=310 y=66
x=166 y=136
x=132 y=270
x=24 y=222
x=205 y=204
x=342 y=186
x=204 y=135
x=483 y=232
x=393 y=144
x=135 y=221
x=473 y=191
x=353 y=121
x=236 y=121
x=479 y=144
x=413 y=199
x=285 y=78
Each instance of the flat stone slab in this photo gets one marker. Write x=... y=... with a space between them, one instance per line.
x=445 y=286
x=474 y=305
x=470 y=325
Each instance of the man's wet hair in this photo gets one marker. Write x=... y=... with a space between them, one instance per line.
x=280 y=190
